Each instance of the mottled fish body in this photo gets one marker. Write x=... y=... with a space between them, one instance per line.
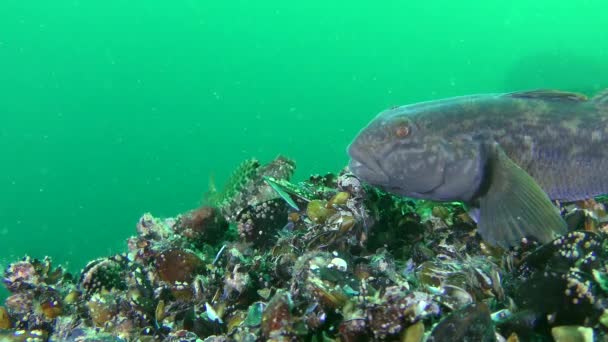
x=506 y=154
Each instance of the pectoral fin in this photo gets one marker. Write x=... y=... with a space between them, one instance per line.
x=514 y=206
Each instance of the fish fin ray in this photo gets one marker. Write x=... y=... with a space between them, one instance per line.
x=514 y=206
x=601 y=99
x=549 y=94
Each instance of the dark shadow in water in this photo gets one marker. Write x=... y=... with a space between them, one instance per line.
x=558 y=70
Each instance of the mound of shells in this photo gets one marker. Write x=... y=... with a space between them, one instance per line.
x=326 y=259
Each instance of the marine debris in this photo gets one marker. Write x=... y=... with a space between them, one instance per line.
x=325 y=259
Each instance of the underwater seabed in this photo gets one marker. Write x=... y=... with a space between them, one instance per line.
x=327 y=259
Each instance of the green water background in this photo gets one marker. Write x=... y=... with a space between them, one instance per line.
x=109 y=109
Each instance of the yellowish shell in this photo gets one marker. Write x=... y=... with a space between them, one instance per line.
x=5 y=322
x=102 y=309
x=71 y=297
x=51 y=309
x=159 y=313
x=318 y=212
x=414 y=333
x=339 y=199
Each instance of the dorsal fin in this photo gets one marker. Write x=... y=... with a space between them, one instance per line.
x=549 y=94
x=601 y=99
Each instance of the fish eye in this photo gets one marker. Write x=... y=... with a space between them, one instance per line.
x=402 y=130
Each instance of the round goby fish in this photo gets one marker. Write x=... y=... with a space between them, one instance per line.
x=505 y=155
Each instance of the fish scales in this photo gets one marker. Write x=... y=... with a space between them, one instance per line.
x=559 y=143
x=515 y=151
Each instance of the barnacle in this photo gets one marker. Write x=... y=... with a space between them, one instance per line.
x=104 y=274
x=559 y=278
x=29 y=273
x=202 y=225
x=260 y=223
x=178 y=265
x=102 y=308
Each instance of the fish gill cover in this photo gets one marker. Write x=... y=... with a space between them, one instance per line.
x=328 y=258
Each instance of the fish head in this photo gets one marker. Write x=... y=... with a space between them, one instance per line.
x=400 y=152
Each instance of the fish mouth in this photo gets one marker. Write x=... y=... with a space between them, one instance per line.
x=366 y=167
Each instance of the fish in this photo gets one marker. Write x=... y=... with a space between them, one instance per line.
x=507 y=156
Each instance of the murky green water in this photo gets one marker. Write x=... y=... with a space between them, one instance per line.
x=109 y=109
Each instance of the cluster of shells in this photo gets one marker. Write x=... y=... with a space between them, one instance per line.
x=326 y=259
